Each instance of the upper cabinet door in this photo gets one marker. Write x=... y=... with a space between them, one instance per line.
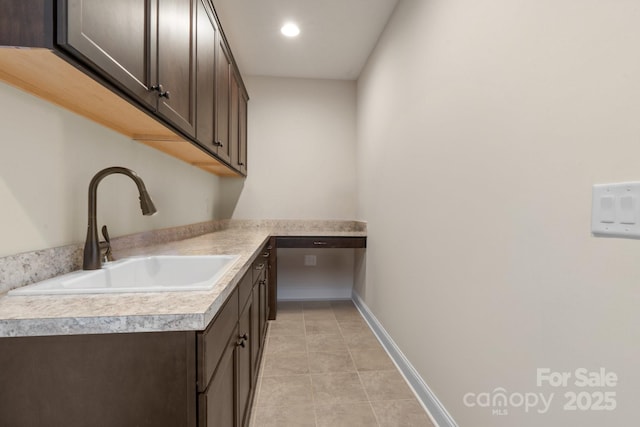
x=176 y=79
x=233 y=121
x=238 y=124
x=223 y=63
x=242 y=133
x=207 y=38
x=114 y=37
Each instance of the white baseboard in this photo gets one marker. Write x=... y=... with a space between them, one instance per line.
x=429 y=401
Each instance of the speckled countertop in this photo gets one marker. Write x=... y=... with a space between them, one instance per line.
x=149 y=312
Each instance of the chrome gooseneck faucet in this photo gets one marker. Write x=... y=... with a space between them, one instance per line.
x=92 y=247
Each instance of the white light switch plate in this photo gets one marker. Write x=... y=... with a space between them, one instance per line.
x=615 y=210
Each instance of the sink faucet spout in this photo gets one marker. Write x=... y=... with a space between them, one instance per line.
x=92 y=246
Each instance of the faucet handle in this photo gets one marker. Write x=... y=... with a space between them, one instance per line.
x=108 y=256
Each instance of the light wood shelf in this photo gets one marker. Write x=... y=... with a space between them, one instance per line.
x=44 y=74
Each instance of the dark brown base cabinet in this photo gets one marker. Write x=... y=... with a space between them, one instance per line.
x=125 y=380
x=160 y=379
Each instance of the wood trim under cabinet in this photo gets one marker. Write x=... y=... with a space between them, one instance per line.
x=43 y=73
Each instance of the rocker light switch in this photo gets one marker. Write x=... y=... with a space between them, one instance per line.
x=608 y=209
x=628 y=210
x=615 y=210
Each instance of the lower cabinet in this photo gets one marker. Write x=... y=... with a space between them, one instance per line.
x=225 y=401
x=124 y=380
x=244 y=370
x=231 y=371
x=258 y=308
x=263 y=290
x=158 y=379
x=256 y=336
x=216 y=406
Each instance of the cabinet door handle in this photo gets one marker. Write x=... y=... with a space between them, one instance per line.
x=218 y=144
x=240 y=164
x=266 y=254
x=263 y=282
x=319 y=243
x=260 y=266
x=161 y=92
x=242 y=340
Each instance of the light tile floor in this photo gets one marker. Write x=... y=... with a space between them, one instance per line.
x=323 y=366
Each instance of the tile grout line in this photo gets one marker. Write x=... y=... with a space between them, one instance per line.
x=306 y=347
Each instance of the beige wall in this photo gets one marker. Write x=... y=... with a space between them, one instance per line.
x=301 y=151
x=481 y=129
x=330 y=278
x=301 y=160
x=47 y=158
x=302 y=137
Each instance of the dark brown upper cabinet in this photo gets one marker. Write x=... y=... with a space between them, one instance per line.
x=121 y=48
x=233 y=119
x=157 y=71
x=231 y=112
x=220 y=95
x=146 y=46
x=238 y=124
x=176 y=77
x=207 y=40
x=223 y=101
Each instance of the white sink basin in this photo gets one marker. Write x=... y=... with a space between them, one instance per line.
x=163 y=273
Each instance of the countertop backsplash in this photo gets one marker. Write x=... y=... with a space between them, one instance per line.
x=31 y=267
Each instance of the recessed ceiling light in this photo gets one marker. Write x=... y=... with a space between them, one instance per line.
x=290 y=29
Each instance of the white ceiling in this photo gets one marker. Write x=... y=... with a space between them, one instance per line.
x=336 y=36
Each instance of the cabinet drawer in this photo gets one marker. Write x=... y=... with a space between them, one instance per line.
x=259 y=267
x=212 y=342
x=322 y=242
